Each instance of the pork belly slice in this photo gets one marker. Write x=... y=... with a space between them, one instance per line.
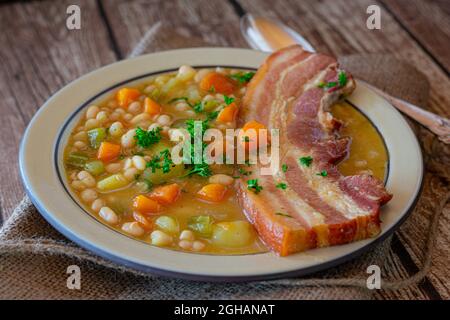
x=288 y=93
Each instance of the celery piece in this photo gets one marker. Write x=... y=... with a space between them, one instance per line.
x=95 y=167
x=77 y=159
x=96 y=137
x=116 y=181
x=202 y=225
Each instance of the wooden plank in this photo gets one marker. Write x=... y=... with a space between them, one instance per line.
x=428 y=22
x=40 y=55
x=176 y=24
x=338 y=27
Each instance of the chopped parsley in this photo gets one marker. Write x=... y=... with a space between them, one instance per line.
x=212 y=89
x=228 y=100
x=243 y=77
x=281 y=186
x=283 y=214
x=212 y=115
x=254 y=186
x=244 y=173
x=342 y=78
x=145 y=139
x=201 y=169
x=322 y=173
x=306 y=161
x=155 y=162
x=284 y=168
x=198 y=107
x=246 y=139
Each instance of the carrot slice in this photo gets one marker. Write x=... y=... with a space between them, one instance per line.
x=108 y=151
x=218 y=82
x=146 y=205
x=213 y=192
x=246 y=138
x=152 y=107
x=167 y=194
x=228 y=113
x=127 y=95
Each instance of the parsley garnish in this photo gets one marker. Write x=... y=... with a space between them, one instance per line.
x=198 y=107
x=342 y=78
x=243 y=77
x=284 y=168
x=212 y=115
x=201 y=169
x=306 y=161
x=246 y=138
x=254 y=186
x=281 y=186
x=228 y=100
x=244 y=173
x=212 y=89
x=145 y=139
x=283 y=214
x=155 y=162
x=322 y=173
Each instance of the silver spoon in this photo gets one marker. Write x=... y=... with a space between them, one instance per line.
x=267 y=35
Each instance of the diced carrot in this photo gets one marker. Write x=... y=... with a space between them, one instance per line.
x=127 y=95
x=152 y=107
x=108 y=151
x=245 y=138
x=146 y=205
x=228 y=113
x=213 y=192
x=143 y=221
x=218 y=82
x=167 y=194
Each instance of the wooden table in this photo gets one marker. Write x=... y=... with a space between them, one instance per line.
x=39 y=55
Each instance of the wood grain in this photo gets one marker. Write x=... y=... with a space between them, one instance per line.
x=423 y=19
x=40 y=55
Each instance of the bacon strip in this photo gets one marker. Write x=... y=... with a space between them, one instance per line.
x=314 y=211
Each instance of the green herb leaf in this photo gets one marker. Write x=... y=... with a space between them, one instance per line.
x=246 y=138
x=254 y=186
x=145 y=139
x=281 y=186
x=342 y=78
x=322 y=173
x=284 y=168
x=228 y=100
x=198 y=107
x=243 y=77
x=306 y=161
x=244 y=173
x=212 y=115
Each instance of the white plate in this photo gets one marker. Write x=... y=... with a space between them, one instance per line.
x=47 y=133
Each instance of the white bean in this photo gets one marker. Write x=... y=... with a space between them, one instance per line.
x=186 y=72
x=108 y=215
x=182 y=106
x=78 y=185
x=130 y=174
x=133 y=228
x=139 y=163
x=221 y=179
x=97 y=205
x=208 y=97
x=88 y=195
x=185 y=244
x=91 y=112
x=87 y=179
x=127 y=139
x=114 y=116
x=127 y=116
x=112 y=104
x=102 y=116
x=119 y=111
x=91 y=124
x=149 y=89
x=164 y=120
x=116 y=129
x=160 y=238
x=80 y=136
x=140 y=117
x=153 y=126
x=113 y=167
x=134 y=107
x=200 y=74
x=128 y=163
x=79 y=144
x=187 y=235
x=198 y=246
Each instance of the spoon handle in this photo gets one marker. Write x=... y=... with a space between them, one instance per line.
x=435 y=123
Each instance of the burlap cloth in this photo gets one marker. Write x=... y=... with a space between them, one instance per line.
x=34 y=257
